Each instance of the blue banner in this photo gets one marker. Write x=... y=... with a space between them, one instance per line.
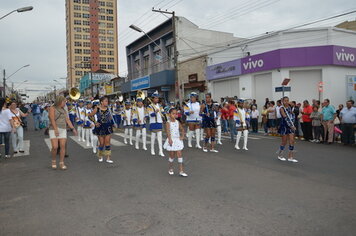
x=140 y=83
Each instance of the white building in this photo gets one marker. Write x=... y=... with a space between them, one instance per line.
x=312 y=58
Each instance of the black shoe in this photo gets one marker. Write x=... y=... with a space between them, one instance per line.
x=15 y=152
x=66 y=155
x=22 y=151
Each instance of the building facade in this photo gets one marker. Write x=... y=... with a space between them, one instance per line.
x=154 y=62
x=320 y=63
x=91 y=38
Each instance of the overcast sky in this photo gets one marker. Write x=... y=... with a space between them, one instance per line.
x=38 y=37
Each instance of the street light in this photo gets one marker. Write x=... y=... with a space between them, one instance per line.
x=4 y=78
x=138 y=29
x=19 y=10
x=20 y=84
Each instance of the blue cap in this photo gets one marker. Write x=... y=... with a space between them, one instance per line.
x=155 y=94
x=95 y=102
x=127 y=102
x=172 y=103
x=193 y=94
x=240 y=101
x=87 y=102
x=139 y=100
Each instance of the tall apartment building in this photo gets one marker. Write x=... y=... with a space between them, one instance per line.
x=91 y=38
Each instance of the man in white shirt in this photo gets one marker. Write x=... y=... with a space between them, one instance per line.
x=254 y=119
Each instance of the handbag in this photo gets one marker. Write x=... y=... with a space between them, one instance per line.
x=18 y=121
x=337 y=121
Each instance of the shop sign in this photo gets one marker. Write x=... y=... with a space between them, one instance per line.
x=193 y=78
x=222 y=70
x=140 y=83
x=165 y=88
x=282 y=89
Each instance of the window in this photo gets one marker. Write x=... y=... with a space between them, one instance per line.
x=85 y=22
x=86 y=30
x=103 y=67
x=109 y=11
x=102 y=38
x=77 y=14
x=77 y=8
x=111 y=53
x=109 y=4
x=85 y=8
x=76 y=1
x=101 y=31
x=111 y=59
x=78 y=72
x=86 y=51
x=111 y=32
x=101 y=17
x=110 y=18
x=137 y=66
x=102 y=59
x=102 y=45
x=103 y=25
x=79 y=65
x=77 y=44
x=110 y=39
x=77 y=29
x=110 y=45
x=86 y=44
x=86 y=58
x=101 y=10
x=110 y=67
x=146 y=61
x=86 y=37
x=77 y=22
x=78 y=58
x=77 y=36
x=110 y=25
x=102 y=52
x=101 y=3
x=78 y=51
x=85 y=1
x=86 y=15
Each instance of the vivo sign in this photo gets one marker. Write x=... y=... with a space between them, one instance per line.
x=344 y=56
x=253 y=64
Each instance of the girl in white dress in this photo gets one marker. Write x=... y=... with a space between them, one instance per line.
x=174 y=143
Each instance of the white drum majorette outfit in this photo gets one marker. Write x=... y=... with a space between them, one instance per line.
x=80 y=122
x=155 y=112
x=194 y=118
x=94 y=119
x=177 y=144
x=139 y=119
x=218 y=127
x=240 y=119
x=88 y=126
x=127 y=114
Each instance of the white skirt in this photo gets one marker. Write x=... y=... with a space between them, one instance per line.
x=177 y=145
x=62 y=134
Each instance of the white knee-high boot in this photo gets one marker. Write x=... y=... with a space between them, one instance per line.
x=198 y=136
x=130 y=131
x=245 y=139
x=190 y=136
x=144 y=138
x=219 y=134
x=153 y=138
x=83 y=134
x=201 y=134
x=238 y=136
x=94 y=142
x=159 y=138
x=126 y=132
x=138 y=134
x=87 y=133
x=80 y=130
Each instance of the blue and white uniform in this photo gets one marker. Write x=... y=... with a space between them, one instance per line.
x=192 y=111
x=128 y=123
x=287 y=123
x=155 y=112
x=80 y=117
x=88 y=126
x=240 y=119
x=140 y=116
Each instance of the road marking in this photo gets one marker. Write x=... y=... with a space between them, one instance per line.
x=48 y=142
x=82 y=144
x=26 y=148
x=122 y=135
x=114 y=142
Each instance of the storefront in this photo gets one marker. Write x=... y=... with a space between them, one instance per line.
x=316 y=72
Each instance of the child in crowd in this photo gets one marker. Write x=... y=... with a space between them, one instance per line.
x=174 y=143
x=316 y=117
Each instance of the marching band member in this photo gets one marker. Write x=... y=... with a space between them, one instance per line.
x=209 y=123
x=155 y=111
x=127 y=114
x=286 y=130
x=72 y=112
x=192 y=111
x=94 y=120
x=117 y=111
x=103 y=129
x=80 y=117
x=139 y=119
x=240 y=119
x=218 y=122
x=88 y=123
x=174 y=143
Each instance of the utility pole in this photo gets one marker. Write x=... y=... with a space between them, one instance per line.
x=55 y=92
x=4 y=85
x=175 y=56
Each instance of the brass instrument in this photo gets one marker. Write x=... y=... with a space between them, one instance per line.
x=74 y=94
x=120 y=97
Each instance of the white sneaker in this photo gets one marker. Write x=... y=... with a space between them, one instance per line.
x=131 y=143
x=109 y=161
x=237 y=147
x=189 y=145
x=144 y=148
x=312 y=140
x=137 y=147
x=198 y=146
x=183 y=174
x=161 y=154
x=171 y=172
x=125 y=141
x=205 y=150
x=88 y=145
x=153 y=153
x=79 y=139
x=293 y=160
x=220 y=143
x=245 y=148
x=101 y=159
x=281 y=158
x=94 y=150
x=213 y=150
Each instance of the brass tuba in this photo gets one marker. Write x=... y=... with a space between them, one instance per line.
x=140 y=94
x=74 y=94
x=120 y=97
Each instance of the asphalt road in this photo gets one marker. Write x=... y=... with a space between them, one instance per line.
x=227 y=193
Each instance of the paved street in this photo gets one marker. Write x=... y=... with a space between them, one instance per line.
x=228 y=193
